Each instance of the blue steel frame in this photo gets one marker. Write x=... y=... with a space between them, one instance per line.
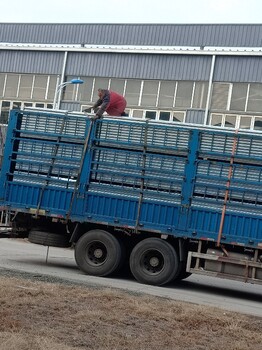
x=146 y=176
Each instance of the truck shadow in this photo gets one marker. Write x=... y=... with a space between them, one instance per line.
x=70 y=265
x=232 y=291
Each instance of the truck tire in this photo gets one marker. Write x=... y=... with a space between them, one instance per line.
x=154 y=261
x=50 y=239
x=99 y=253
x=183 y=274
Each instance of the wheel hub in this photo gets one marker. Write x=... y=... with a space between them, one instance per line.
x=154 y=261
x=98 y=253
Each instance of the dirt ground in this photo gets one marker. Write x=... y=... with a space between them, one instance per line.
x=37 y=315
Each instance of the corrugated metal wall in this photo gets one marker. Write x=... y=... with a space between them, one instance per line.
x=195 y=116
x=70 y=106
x=231 y=35
x=146 y=66
x=238 y=69
x=37 y=62
x=139 y=66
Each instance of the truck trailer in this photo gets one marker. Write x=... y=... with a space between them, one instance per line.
x=165 y=199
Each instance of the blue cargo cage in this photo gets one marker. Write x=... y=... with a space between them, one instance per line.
x=158 y=191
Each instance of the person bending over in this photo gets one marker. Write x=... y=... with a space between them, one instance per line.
x=110 y=102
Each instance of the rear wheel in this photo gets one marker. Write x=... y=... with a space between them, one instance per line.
x=99 y=253
x=154 y=261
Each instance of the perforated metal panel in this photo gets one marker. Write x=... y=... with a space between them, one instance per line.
x=222 y=144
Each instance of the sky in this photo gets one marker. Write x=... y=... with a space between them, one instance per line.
x=131 y=11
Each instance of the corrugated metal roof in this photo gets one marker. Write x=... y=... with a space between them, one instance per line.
x=228 y=35
x=31 y=62
x=167 y=67
x=172 y=66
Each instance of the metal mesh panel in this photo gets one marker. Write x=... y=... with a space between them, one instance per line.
x=48 y=150
x=212 y=182
x=221 y=144
x=152 y=136
x=127 y=169
x=64 y=125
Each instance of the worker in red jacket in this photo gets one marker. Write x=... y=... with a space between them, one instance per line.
x=110 y=102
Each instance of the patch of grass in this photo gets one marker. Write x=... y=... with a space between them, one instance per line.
x=37 y=315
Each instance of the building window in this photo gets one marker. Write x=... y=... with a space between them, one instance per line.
x=132 y=94
x=51 y=87
x=184 y=94
x=223 y=120
x=2 y=84
x=149 y=93
x=166 y=94
x=11 y=86
x=40 y=105
x=245 y=122
x=238 y=97
x=163 y=115
x=220 y=96
x=25 y=87
x=40 y=87
x=118 y=85
x=99 y=83
x=230 y=121
x=200 y=95
x=137 y=113
x=179 y=117
x=128 y=112
x=258 y=123
x=85 y=90
x=216 y=119
x=255 y=98
x=28 y=104
x=150 y=115
x=69 y=92
x=17 y=104
x=5 y=108
x=28 y=86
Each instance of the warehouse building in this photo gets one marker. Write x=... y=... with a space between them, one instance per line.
x=207 y=74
